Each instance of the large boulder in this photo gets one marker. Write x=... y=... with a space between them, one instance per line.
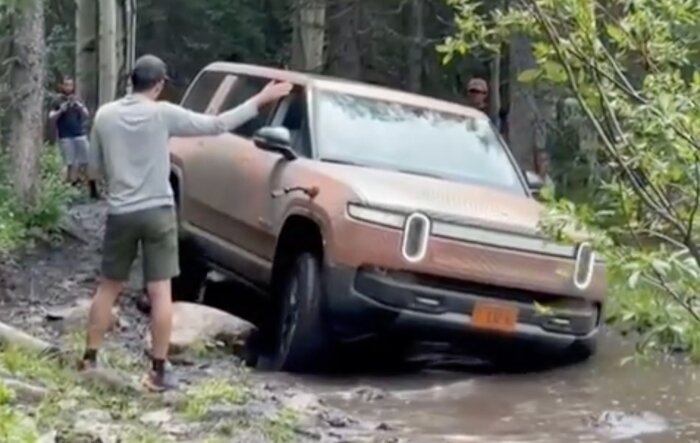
x=195 y=325
x=74 y=317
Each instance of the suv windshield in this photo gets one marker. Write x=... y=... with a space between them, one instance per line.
x=382 y=134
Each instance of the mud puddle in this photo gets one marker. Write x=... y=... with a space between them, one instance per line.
x=609 y=398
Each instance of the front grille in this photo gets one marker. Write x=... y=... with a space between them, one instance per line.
x=490 y=291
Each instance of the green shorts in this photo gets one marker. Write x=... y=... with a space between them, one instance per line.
x=155 y=230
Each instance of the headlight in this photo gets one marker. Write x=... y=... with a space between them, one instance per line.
x=376 y=216
x=583 y=269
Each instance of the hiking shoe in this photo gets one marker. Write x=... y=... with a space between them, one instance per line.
x=87 y=365
x=160 y=382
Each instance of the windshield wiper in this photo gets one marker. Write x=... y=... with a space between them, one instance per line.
x=424 y=174
x=405 y=171
x=342 y=162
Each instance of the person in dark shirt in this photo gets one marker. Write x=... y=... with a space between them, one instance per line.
x=70 y=116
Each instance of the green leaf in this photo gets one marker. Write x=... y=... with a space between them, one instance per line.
x=529 y=75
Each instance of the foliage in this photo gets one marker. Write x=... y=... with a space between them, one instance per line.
x=630 y=69
x=211 y=392
x=19 y=224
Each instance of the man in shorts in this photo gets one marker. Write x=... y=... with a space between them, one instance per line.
x=70 y=116
x=130 y=151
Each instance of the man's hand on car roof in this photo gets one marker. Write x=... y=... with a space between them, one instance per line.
x=273 y=91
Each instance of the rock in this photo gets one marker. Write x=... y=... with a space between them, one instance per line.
x=72 y=227
x=157 y=418
x=195 y=324
x=368 y=394
x=303 y=403
x=97 y=425
x=25 y=392
x=49 y=437
x=12 y=336
x=75 y=316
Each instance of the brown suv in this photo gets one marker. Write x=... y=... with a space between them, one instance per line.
x=368 y=212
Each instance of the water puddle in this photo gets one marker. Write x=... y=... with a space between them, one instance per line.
x=610 y=398
x=603 y=400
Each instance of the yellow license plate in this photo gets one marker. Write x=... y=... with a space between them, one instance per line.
x=495 y=317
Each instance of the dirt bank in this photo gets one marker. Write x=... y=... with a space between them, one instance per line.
x=44 y=292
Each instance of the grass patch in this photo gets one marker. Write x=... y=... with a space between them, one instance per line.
x=281 y=429
x=19 y=225
x=201 y=397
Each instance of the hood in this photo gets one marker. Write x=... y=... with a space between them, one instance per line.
x=441 y=199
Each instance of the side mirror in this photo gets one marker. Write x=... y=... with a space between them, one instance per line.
x=534 y=181
x=275 y=139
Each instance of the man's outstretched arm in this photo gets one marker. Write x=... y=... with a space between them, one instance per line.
x=182 y=122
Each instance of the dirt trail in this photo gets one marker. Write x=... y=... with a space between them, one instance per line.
x=49 y=280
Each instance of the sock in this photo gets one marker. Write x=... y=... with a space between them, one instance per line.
x=90 y=355
x=158 y=365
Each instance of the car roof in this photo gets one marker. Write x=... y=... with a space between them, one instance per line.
x=340 y=85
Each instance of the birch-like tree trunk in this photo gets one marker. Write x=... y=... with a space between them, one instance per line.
x=415 y=51
x=309 y=35
x=86 y=37
x=27 y=88
x=107 y=54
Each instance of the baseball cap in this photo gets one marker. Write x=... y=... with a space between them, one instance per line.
x=149 y=69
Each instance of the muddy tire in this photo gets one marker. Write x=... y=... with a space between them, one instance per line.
x=193 y=272
x=581 y=350
x=300 y=340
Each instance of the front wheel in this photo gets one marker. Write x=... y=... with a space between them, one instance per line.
x=301 y=340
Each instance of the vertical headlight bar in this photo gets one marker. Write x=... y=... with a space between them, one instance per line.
x=584 y=267
x=416 y=233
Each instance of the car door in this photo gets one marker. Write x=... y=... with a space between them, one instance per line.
x=206 y=90
x=231 y=192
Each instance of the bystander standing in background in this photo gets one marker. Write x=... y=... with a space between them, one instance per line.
x=70 y=116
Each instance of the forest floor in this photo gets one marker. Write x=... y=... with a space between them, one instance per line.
x=45 y=291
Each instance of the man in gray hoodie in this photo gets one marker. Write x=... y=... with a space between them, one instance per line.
x=130 y=151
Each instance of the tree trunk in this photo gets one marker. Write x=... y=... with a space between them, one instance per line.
x=27 y=86
x=309 y=35
x=107 y=54
x=86 y=52
x=415 y=51
x=343 y=50
x=522 y=110
x=130 y=12
x=120 y=37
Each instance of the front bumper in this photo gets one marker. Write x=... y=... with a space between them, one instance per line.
x=366 y=302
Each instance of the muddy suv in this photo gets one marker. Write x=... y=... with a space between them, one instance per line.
x=365 y=212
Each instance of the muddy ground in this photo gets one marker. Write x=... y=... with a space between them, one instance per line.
x=436 y=398
x=43 y=292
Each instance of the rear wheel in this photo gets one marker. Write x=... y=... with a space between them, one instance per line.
x=300 y=339
x=193 y=272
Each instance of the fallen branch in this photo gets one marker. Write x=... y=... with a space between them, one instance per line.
x=10 y=336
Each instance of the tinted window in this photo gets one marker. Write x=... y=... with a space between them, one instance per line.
x=244 y=88
x=296 y=120
x=201 y=93
x=413 y=140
